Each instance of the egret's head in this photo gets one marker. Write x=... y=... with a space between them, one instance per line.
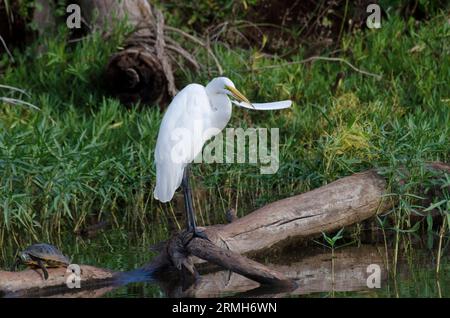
x=223 y=85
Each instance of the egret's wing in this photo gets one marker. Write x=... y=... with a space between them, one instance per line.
x=177 y=143
x=265 y=106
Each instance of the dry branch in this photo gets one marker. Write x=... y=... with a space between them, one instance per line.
x=236 y=263
x=180 y=249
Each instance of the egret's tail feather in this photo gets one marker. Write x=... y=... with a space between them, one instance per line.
x=168 y=179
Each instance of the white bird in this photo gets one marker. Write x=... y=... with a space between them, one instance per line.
x=195 y=115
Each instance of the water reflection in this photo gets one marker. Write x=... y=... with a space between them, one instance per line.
x=316 y=274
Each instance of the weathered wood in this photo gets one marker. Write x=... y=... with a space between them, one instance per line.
x=237 y=263
x=181 y=248
x=343 y=202
x=340 y=203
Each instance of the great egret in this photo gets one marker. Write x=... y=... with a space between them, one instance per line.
x=195 y=108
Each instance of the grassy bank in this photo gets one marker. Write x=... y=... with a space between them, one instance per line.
x=85 y=157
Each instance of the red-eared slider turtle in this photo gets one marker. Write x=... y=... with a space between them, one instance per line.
x=41 y=256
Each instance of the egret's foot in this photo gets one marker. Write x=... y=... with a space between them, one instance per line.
x=200 y=234
x=193 y=233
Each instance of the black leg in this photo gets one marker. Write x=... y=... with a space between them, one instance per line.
x=189 y=206
x=42 y=266
x=190 y=217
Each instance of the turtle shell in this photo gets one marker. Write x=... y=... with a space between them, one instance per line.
x=47 y=253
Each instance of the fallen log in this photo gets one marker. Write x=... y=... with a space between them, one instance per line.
x=236 y=263
x=180 y=250
x=343 y=202
x=346 y=201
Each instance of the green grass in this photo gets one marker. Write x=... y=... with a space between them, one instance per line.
x=85 y=156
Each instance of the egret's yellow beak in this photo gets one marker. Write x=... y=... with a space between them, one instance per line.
x=238 y=95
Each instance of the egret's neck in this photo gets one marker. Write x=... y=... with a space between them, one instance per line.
x=221 y=108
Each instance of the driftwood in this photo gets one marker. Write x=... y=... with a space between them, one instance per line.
x=341 y=203
x=179 y=250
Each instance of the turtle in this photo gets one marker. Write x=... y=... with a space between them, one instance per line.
x=42 y=255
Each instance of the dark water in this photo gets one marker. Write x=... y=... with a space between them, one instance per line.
x=316 y=272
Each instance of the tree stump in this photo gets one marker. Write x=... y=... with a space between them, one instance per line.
x=141 y=71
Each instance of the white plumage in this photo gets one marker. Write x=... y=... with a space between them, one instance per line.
x=195 y=115
x=188 y=110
